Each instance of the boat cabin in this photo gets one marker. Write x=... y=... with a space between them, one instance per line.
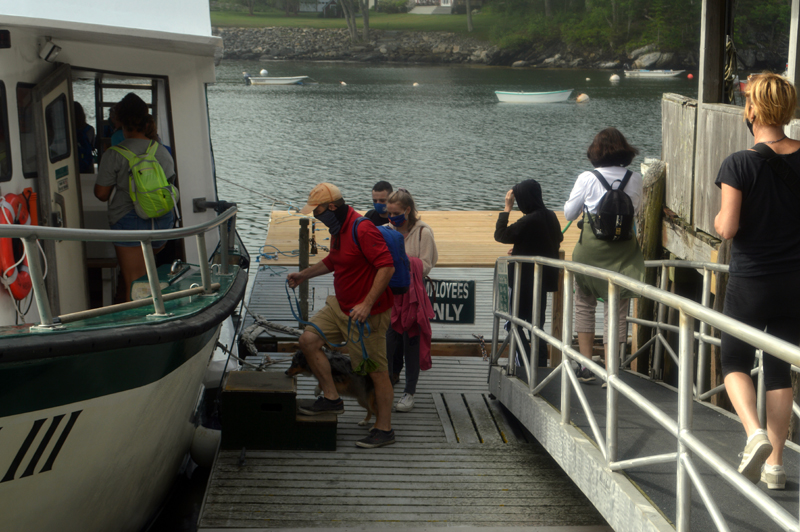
x=56 y=53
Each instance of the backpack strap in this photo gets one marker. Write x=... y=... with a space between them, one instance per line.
x=355 y=231
x=780 y=168
x=605 y=184
x=602 y=179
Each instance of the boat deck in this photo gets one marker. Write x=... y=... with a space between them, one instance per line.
x=460 y=460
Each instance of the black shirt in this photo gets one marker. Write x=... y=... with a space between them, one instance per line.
x=768 y=238
x=376 y=218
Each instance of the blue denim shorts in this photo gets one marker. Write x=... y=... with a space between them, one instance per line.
x=132 y=222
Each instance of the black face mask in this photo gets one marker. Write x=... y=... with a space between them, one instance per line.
x=749 y=126
x=329 y=218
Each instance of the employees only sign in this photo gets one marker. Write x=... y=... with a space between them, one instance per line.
x=453 y=301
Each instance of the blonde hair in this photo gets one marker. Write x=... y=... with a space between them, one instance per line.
x=772 y=97
x=404 y=198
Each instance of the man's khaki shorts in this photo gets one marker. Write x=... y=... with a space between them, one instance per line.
x=333 y=323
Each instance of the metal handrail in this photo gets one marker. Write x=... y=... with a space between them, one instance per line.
x=689 y=447
x=30 y=234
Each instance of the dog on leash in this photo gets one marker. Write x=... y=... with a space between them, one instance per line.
x=348 y=384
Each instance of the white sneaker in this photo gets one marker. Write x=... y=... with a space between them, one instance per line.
x=405 y=404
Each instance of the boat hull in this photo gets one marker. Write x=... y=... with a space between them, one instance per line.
x=652 y=73
x=107 y=462
x=533 y=97
x=294 y=80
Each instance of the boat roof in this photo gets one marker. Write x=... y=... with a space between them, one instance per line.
x=183 y=27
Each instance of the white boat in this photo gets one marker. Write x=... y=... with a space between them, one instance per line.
x=98 y=402
x=272 y=80
x=652 y=73
x=533 y=97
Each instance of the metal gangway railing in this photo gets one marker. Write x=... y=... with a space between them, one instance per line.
x=689 y=448
x=226 y=222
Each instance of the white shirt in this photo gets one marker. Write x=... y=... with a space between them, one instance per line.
x=588 y=191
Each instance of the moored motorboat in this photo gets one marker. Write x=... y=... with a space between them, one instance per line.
x=98 y=402
x=274 y=80
x=642 y=73
x=533 y=97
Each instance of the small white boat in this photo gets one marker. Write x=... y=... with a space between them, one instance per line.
x=288 y=80
x=533 y=97
x=652 y=73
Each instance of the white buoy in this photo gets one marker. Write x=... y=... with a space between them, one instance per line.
x=614 y=78
x=264 y=72
x=204 y=445
x=588 y=79
x=582 y=98
x=415 y=84
x=343 y=83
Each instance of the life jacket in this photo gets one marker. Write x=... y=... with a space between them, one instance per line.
x=401 y=279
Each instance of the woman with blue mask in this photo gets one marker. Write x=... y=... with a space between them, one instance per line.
x=401 y=345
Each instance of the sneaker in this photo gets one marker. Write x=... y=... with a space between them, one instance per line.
x=584 y=375
x=323 y=406
x=376 y=438
x=605 y=385
x=774 y=477
x=406 y=403
x=755 y=453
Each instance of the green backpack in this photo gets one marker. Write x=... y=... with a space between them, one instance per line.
x=152 y=195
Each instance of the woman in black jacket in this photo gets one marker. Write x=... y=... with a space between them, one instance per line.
x=537 y=233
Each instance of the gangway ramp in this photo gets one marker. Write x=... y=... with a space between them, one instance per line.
x=437 y=475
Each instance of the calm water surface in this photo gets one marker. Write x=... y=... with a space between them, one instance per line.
x=447 y=140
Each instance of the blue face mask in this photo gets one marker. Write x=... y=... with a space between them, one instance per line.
x=380 y=208
x=398 y=220
x=328 y=217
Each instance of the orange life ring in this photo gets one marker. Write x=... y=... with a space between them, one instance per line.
x=14 y=273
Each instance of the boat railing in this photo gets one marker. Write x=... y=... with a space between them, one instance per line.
x=689 y=448
x=226 y=222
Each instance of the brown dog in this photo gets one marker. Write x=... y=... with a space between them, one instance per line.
x=348 y=384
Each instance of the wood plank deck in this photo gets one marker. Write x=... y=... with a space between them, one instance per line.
x=463 y=238
x=432 y=477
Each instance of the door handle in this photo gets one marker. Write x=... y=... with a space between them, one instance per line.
x=60 y=219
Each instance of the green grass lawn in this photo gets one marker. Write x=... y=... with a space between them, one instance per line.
x=405 y=22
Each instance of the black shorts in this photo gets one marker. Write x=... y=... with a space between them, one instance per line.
x=766 y=302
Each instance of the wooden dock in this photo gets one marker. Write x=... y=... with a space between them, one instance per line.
x=460 y=460
x=464 y=239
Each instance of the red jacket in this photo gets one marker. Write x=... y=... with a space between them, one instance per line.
x=354 y=270
x=412 y=313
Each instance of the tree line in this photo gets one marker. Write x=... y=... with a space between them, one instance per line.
x=674 y=25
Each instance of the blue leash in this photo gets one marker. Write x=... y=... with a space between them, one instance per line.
x=364 y=329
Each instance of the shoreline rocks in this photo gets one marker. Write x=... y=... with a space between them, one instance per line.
x=279 y=43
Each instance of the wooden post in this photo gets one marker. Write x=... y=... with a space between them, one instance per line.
x=794 y=44
x=720 y=285
x=303 y=265
x=649 y=224
x=557 y=316
x=712 y=51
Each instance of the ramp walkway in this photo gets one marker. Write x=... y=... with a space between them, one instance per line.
x=648 y=456
x=460 y=460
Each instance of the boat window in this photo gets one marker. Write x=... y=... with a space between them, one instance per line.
x=27 y=131
x=56 y=119
x=5 y=144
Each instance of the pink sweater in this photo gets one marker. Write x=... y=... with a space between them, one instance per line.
x=413 y=311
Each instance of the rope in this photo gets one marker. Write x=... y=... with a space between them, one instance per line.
x=364 y=330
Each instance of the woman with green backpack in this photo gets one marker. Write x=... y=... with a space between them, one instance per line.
x=141 y=172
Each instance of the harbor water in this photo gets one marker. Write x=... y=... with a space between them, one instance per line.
x=447 y=139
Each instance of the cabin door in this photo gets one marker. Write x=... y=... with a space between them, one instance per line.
x=59 y=198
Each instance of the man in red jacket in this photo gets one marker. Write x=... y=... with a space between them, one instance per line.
x=361 y=284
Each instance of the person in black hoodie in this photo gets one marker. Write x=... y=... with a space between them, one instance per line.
x=538 y=232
